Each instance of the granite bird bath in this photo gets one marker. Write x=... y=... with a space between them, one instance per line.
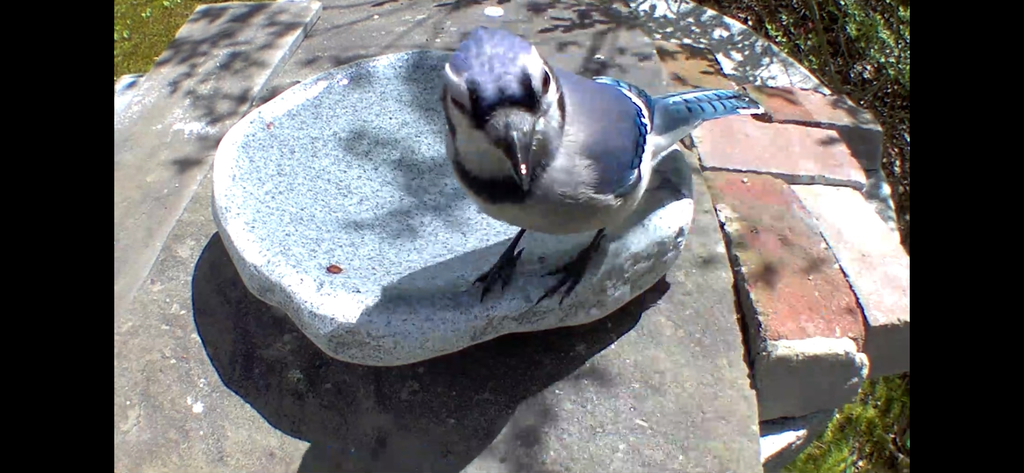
x=338 y=205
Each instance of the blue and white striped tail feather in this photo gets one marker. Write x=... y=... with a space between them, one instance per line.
x=709 y=103
x=677 y=114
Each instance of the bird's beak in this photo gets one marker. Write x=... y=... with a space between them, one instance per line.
x=522 y=166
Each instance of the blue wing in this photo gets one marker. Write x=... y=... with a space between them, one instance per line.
x=641 y=105
x=641 y=94
x=679 y=113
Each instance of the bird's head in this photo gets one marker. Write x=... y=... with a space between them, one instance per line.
x=502 y=100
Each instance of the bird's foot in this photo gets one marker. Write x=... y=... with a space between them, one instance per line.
x=572 y=272
x=503 y=269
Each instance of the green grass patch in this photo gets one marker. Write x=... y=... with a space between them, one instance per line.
x=144 y=28
x=870 y=435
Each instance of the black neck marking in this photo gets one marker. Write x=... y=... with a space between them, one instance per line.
x=500 y=190
x=561 y=109
x=447 y=118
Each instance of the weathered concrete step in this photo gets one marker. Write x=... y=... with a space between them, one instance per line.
x=167 y=132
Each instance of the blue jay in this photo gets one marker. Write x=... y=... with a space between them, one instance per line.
x=549 y=151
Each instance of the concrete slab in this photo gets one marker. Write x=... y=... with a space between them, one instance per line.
x=590 y=38
x=209 y=378
x=165 y=137
x=171 y=410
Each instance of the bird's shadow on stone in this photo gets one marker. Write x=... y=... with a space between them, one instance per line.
x=435 y=415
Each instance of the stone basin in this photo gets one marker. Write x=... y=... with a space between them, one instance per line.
x=337 y=204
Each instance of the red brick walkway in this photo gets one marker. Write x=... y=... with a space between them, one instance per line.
x=812 y=257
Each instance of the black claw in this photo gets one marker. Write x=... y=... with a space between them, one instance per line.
x=503 y=269
x=573 y=271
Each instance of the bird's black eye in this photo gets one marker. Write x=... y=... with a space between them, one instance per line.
x=545 y=83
